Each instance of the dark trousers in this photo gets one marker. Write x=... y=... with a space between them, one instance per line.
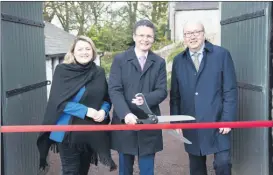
x=74 y=161
x=126 y=163
x=221 y=164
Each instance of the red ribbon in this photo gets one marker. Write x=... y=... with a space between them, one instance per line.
x=46 y=128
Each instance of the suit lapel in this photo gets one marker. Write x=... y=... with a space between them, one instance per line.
x=133 y=59
x=190 y=60
x=147 y=65
x=135 y=62
x=207 y=49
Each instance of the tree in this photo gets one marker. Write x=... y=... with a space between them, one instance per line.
x=159 y=12
x=63 y=10
x=109 y=37
x=109 y=26
x=48 y=11
x=98 y=9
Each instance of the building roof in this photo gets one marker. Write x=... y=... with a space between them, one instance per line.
x=193 y=5
x=57 y=41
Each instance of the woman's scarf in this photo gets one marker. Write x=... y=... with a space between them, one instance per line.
x=68 y=79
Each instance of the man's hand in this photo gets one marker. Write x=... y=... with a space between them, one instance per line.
x=224 y=130
x=99 y=117
x=130 y=119
x=91 y=112
x=138 y=100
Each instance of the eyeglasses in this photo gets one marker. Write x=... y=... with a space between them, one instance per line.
x=195 y=33
x=143 y=36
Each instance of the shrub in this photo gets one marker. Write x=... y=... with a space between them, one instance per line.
x=178 y=49
x=161 y=44
x=175 y=52
x=106 y=61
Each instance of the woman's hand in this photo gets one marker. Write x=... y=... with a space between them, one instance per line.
x=91 y=112
x=99 y=117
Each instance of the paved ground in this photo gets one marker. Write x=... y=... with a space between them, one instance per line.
x=171 y=161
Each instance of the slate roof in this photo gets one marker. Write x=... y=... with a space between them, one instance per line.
x=57 y=41
x=195 y=5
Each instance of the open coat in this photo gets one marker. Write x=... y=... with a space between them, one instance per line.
x=210 y=95
x=125 y=81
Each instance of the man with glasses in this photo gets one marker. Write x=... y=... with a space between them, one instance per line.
x=203 y=85
x=137 y=70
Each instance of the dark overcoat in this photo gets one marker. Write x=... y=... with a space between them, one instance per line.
x=210 y=95
x=125 y=81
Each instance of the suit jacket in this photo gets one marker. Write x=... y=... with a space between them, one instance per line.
x=210 y=95
x=127 y=79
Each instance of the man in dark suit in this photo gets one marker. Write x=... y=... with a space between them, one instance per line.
x=203 y=85
x=137 y=70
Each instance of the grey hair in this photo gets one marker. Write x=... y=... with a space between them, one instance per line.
x=194 y=22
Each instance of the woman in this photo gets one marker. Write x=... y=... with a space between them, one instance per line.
x=78 y=96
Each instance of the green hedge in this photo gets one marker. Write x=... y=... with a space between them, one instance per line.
x=106 y=61
x=159 y=45
x=175 y=52
x=178 y=49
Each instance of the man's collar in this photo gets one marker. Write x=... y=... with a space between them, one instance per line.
x=208 y=47
x=139 y=54
x=199 y=51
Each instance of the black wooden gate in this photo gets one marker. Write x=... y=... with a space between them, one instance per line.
x=245 y=31
x=23 y=83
